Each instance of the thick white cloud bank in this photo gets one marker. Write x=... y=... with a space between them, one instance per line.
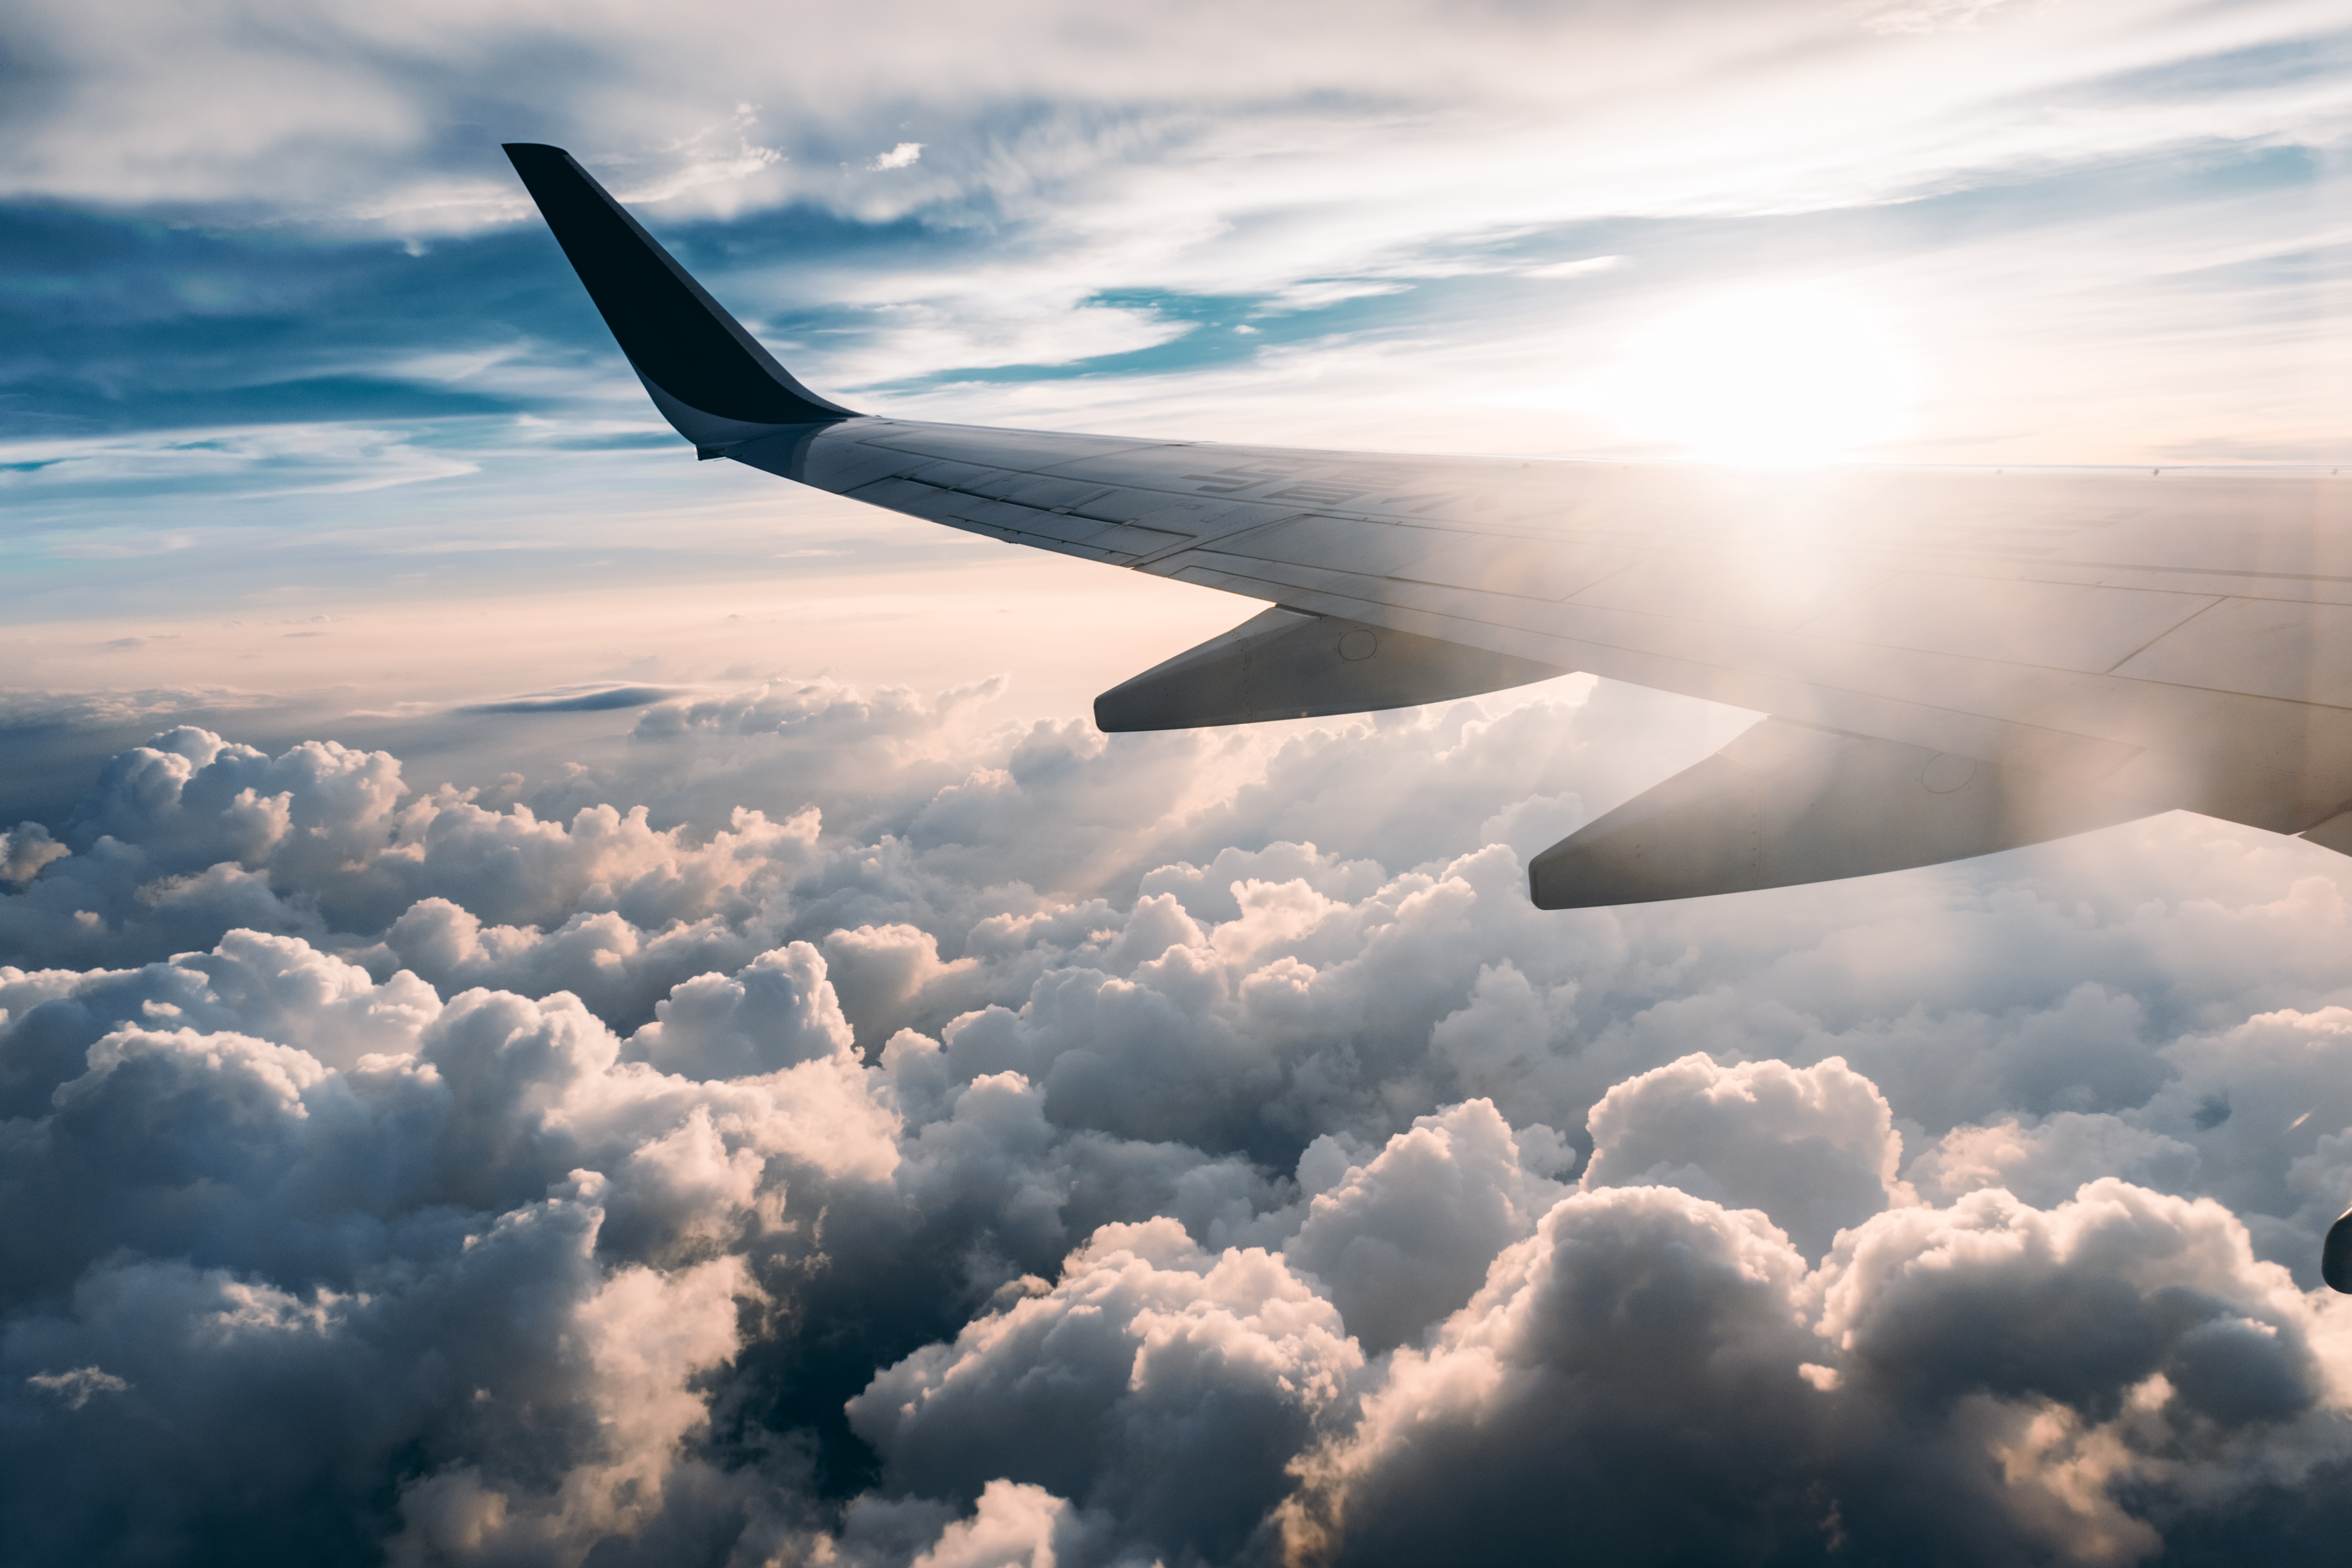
x=954 y=1147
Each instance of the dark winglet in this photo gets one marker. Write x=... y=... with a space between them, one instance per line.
x=708 y=376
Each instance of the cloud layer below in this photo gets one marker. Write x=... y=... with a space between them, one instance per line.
x=1003 y=1168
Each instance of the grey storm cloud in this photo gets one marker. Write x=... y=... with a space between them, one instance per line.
x=408 y=1176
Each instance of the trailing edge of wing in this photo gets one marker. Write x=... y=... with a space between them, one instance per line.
x=709 y=377
x=1787 y=803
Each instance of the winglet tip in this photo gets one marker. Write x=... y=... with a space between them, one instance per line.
x=708 y=376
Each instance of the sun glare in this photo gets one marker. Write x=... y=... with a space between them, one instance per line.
x=1763 y=376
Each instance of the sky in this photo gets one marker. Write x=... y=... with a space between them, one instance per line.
x=564 y=1006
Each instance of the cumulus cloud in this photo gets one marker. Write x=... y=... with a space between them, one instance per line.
x=1166 y=1386
x=479 y=1237
x=25 y=849
x=1814 y=1148
x=1644 y=1333
x=506 y=1174
x=1404 y=1238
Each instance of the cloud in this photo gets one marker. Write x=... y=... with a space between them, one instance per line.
x=903 y=156
x=1583 y=268
x=367 y=96
x=1643 y=1332
x=1599 y=1318
x=582 y=702
x=231 y=1219
x=77 y=1386
x=1815 y=1149
x=772 y=1014
x=1927 y=15
x=1319 y=293
x=549 y=1181
x=25 y=849
x=1405 y=1239
x=1164 y=1385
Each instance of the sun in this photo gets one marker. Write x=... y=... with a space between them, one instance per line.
x=1779 y=375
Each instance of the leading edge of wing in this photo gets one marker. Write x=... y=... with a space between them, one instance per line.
x=709 y=377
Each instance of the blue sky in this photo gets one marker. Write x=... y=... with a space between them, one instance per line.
x=562 y=1004
x=1091 y=223
x=246 y=263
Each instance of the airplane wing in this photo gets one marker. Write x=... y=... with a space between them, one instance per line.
x=1952 y=662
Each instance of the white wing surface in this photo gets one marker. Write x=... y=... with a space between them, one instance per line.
x=1953 y=662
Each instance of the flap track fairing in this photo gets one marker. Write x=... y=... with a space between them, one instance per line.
x=1288 y=664
x=1786 y=802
